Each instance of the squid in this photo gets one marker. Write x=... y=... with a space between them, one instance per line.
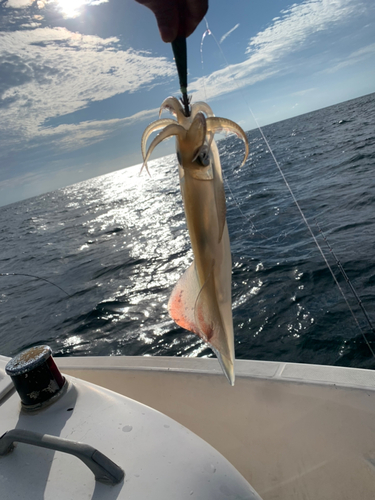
x=201 y=300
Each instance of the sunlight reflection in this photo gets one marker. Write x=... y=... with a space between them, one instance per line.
x=201 y=347
x=136 y=225
x=72 y=341
x=145 y=338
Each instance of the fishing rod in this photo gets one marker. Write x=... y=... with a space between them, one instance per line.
x=180 y=57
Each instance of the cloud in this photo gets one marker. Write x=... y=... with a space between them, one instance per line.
x=13 y=182
x=30 y=25
x=353 y=58
x=268 y=50
x=17 y=184
x=228 y=33
x=18 y=4
x=52 y=72
x=228 y=80
x=298 y=23
x=73 y=136
x=304 y=91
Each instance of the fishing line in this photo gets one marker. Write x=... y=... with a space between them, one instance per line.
x=234 y=198
x=346 y=277
x=36 y=277
x=209 y=32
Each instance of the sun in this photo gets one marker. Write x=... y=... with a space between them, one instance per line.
x=71 y=8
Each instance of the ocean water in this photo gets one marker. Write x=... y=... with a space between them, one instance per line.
x=118 y=243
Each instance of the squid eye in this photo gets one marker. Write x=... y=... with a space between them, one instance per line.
x=203 y=159
x=179 y=158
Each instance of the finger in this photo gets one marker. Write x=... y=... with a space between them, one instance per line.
x=167 y=18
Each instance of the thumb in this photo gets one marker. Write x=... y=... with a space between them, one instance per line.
x=167 y=17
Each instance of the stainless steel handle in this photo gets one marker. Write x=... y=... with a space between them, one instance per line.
x=103 y=468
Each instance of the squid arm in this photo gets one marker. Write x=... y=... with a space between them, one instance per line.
x=201 y=106
x=174 y=106
x=169 y=128
x=215 y=124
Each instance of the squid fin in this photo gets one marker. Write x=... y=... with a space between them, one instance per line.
x=209 y=319
x=196 y=309
x=182 y=301
x=227 y=365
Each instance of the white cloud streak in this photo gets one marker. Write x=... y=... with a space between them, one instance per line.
x=267 y=50
x=304 y=92
x=298 y=23
x=228 y=33
x=353 y=58
x=73 y=136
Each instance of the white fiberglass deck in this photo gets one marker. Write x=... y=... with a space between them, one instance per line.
x=294 y=431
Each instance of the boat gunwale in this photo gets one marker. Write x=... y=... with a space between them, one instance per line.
x=356 y=378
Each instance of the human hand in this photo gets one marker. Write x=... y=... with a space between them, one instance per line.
x=176 y=17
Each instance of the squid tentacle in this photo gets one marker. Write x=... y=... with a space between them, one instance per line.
x=170 y=130
x=174 y=106
x=153 y=127
x=216 y=124
x=201 y=106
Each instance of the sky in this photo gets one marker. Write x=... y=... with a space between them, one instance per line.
x=81 y=79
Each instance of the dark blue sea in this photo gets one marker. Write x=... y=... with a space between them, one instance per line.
x=118 y=243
